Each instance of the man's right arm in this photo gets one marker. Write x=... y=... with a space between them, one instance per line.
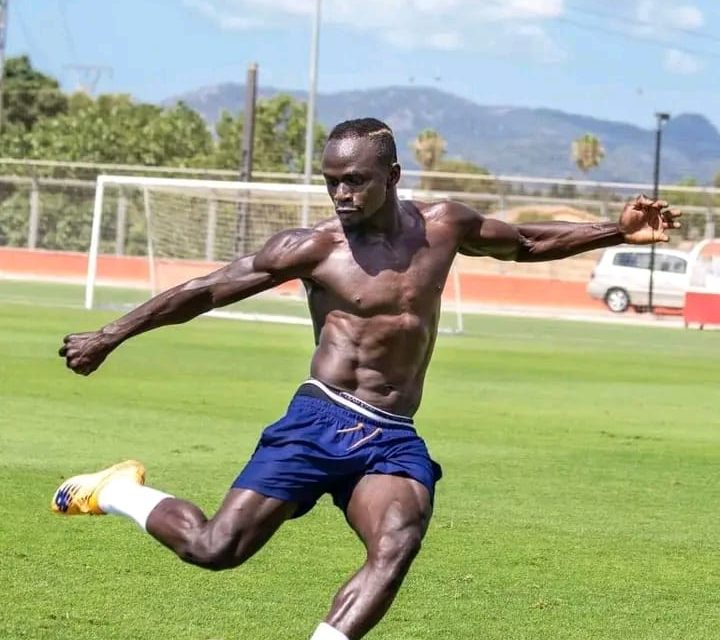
x=288 y=255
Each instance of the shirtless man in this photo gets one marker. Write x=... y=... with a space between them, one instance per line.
x=374 y=274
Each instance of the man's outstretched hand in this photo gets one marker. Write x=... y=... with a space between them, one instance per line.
x=646 y=221
x=85 y=352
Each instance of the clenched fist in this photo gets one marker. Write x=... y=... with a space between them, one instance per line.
x=85 y=352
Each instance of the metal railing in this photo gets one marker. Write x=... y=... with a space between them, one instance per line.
x=48 y=204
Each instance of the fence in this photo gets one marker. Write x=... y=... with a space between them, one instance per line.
x=48 y=205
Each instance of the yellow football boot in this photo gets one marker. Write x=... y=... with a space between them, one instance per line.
x=78 y=495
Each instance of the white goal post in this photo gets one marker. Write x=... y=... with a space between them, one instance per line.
x=150 y=233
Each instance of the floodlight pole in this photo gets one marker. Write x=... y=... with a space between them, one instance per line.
x=310 y=121
x=661 y=119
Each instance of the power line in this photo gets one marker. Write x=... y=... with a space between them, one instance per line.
x=37 y=51
x=712 y=11
x=88 y=74
x=654 y=41
x=616 y=32
x=66 y=30
x=625 y=19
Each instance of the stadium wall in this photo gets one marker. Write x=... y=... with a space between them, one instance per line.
x=476 y=288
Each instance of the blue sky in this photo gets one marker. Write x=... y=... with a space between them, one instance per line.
x=604 y=58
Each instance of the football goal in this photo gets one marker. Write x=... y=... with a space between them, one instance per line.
x=149 y=234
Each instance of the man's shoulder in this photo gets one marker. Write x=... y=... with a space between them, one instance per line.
x=327 y=227
x=296 y=247
x=444 y=211
x=325 y=232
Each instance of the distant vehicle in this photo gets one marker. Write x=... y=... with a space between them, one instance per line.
x=621 y=278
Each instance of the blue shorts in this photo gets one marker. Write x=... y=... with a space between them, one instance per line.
x=326 y=443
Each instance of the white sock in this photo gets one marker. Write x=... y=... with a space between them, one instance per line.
x=326 y=632
x=135 y=501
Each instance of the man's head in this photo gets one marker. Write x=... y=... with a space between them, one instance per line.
x=360 y=168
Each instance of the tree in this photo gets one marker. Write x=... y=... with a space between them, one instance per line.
x=279 y=145
x=429 y=148
x=453 y=165
x=29 y=95
x=587 y=152
x=695 y=224
x=111 y=129
x=45 y=124
x=461 y=184
x=115 y=129
x=279 y=137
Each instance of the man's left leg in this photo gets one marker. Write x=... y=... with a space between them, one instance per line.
x=390 y=515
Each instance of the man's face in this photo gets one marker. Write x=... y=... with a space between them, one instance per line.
x=356 y=179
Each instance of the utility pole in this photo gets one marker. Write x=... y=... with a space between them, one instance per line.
x=246 y=159
x=662 y=118
x=3 y=35
x=246 y=151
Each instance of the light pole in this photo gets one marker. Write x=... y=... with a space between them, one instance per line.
x=3 y=35
x=662 y=118
x=310 y=122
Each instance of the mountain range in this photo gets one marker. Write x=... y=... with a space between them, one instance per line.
x=504 y=139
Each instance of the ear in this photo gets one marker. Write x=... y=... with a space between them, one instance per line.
x=394 y=174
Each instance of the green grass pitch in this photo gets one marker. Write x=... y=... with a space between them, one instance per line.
x=581 y=496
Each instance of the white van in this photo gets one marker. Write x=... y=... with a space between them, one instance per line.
x=622 y=278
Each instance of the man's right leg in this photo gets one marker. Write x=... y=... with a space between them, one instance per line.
x=242 y=525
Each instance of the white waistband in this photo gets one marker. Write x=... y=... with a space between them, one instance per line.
x=360 y=406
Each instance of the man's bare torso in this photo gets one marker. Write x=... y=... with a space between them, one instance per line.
x=375 y=303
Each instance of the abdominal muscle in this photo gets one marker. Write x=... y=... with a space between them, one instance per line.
x=381 y=360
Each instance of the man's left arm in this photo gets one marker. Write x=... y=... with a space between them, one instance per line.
x=642 y=221
x=555 y=240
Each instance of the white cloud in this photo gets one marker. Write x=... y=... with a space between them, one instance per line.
x=668 y=13
x=510 y=27
x=660 y=19
x=681 y=62
x=227 y=21
x=687 y=17
x=524 y=9
x=543 y=47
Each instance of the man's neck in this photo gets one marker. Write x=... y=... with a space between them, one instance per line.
x=385 y=224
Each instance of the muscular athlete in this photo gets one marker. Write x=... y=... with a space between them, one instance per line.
x=374 y=274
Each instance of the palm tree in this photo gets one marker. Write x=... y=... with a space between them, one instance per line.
x=587 y=152
x=429 y=148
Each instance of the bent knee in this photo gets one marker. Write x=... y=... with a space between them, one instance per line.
x=211 y=559
x=212 y=554
x=396 y=550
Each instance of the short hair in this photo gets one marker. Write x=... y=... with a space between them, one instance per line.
x=380 y=133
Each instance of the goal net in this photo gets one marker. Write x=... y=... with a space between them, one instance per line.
x=149 y=234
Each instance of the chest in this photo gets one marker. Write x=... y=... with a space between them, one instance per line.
x=381 y=278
